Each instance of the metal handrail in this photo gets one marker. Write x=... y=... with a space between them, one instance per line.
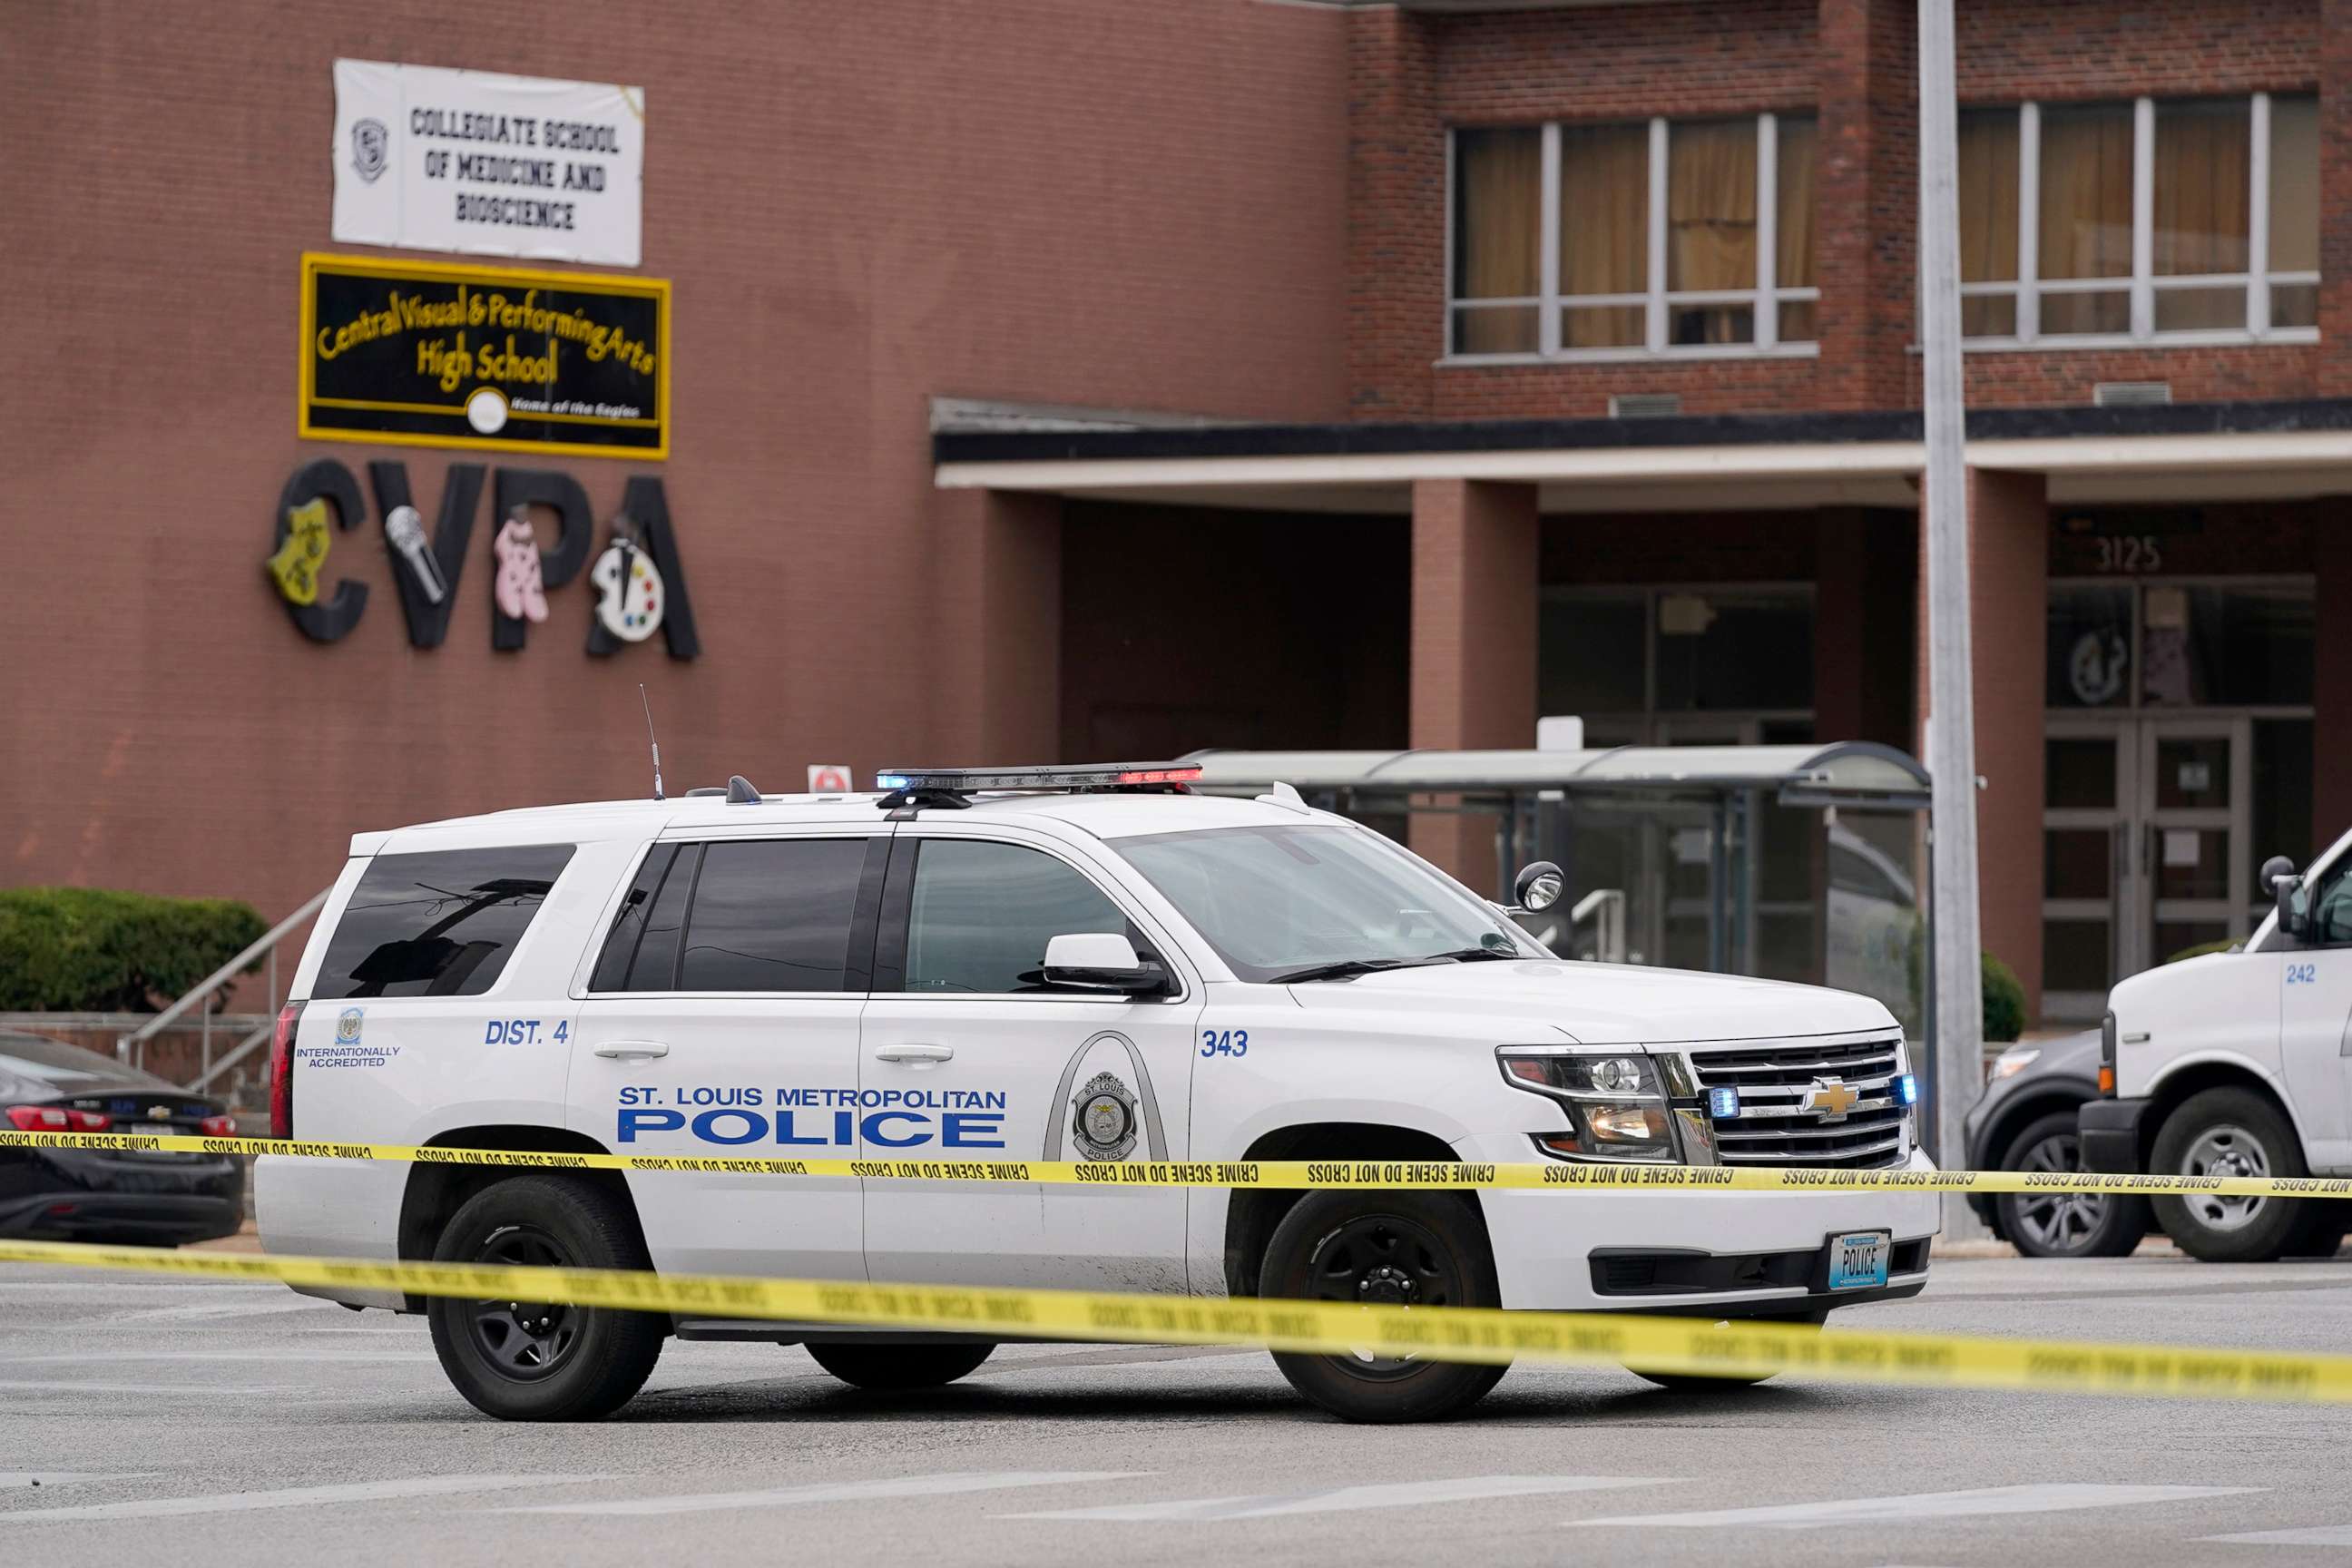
x=238 y=1053
x=135 y=1042
x=1605 y=907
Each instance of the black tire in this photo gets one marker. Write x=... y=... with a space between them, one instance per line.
x=1414 y=1247
x=524 y=1361
x=884 y=1367
x=2231 y=1131
x=2064 y=1225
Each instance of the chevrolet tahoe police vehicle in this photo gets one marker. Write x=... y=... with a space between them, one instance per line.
x=2240 y=1064
x=1072 y=963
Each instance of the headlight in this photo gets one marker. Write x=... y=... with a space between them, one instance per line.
x=1616 y=1105
x=2012 y=1061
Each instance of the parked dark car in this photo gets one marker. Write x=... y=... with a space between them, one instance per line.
x=2025 y=1121
x=104 y=1194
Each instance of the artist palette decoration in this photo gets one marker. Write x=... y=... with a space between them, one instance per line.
x=520 y=593
x=295 y=567
x=629 y=594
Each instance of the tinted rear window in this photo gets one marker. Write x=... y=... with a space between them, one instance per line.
x=771 y=915
x=441 y=924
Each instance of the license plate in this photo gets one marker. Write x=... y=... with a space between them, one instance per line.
x=1858 y=1260
x=153 y=1129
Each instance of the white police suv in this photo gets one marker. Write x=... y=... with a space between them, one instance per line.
x=1069 y=963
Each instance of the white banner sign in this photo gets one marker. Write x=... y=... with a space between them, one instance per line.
x=429 y=159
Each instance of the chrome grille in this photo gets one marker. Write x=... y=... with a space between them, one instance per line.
x=1772 y=1078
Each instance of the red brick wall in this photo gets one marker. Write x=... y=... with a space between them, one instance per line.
x=859 y=205
x=1183 y=628
x=1855 y=62
x=1476 y=553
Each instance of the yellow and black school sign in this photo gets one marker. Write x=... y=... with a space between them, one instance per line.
x=422 y=353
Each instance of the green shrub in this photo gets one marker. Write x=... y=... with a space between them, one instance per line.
x=2004 y=998
x=94 y=949
x=2202 y=947
x=2004 y=1002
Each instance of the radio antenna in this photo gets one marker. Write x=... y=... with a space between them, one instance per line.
x=649 y=738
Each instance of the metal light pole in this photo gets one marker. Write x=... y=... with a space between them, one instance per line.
x=1958 y=1026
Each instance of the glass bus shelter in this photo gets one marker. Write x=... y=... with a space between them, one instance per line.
x=1792 y=862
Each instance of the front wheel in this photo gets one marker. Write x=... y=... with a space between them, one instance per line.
x=1383 y=1248
x=529 y=1361
x=899 y=1367
x=2064 y=1225
x=2231 y=1133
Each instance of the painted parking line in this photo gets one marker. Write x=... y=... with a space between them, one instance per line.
x=43 y=1479
x=280 y=1355
x=2316 y=1535
x=1341 y=1500
x=834 y=1491
x=2041 y=1498
x=210 y=1312
x=291 y=1497
x=144 y=1390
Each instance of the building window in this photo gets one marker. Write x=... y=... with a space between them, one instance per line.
x=1688 y=238
x=2151 y=220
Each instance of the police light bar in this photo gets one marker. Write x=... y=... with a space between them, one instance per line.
x=1099 y=776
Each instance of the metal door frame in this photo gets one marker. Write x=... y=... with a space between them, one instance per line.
x=2120 y=731
x=2236 y=819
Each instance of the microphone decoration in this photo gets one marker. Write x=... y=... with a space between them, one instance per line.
x=405 y=526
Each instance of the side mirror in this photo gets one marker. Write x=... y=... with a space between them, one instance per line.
x=1101 y=961
x=2285 y=888
x=1539 y=887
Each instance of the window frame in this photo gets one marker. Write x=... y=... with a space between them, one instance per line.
x=1655 y=300
x=2143 y=283
x=857 y=966
x=896 y=909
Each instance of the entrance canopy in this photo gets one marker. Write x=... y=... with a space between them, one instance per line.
x=1857 y=774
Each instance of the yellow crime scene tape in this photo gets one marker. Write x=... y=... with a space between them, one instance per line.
x=1297 y=1175
x=1325 y=1328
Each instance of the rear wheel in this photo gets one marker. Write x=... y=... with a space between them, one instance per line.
x=2231 y=1132
x=528 y=1361
x=2064 y=1225
x=1386 y=1249
x=899 y=1367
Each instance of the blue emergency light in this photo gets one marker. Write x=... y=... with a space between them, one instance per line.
x=1907 y=1089
x=1723 y=1104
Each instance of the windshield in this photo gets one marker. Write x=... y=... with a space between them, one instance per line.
x=1277 y=900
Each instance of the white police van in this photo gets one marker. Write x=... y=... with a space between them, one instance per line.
x=1044 y=964
x=2240 y=1064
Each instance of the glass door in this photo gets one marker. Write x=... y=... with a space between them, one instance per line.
x=2194 y=846
x=2089 y=823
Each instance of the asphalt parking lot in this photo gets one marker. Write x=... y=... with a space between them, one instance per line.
x=211 y=1421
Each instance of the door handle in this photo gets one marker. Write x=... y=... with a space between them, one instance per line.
x=632 y=1050
x=914 y=1051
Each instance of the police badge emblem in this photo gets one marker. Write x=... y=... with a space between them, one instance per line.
x=1103 y=1119
x=347 y=1026
x=370 y=140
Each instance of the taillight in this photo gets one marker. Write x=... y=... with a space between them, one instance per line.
x=56 y=1118
x=281 y=1071
x=224 y=1126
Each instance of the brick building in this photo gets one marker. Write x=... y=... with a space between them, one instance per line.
x=1055 y=378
